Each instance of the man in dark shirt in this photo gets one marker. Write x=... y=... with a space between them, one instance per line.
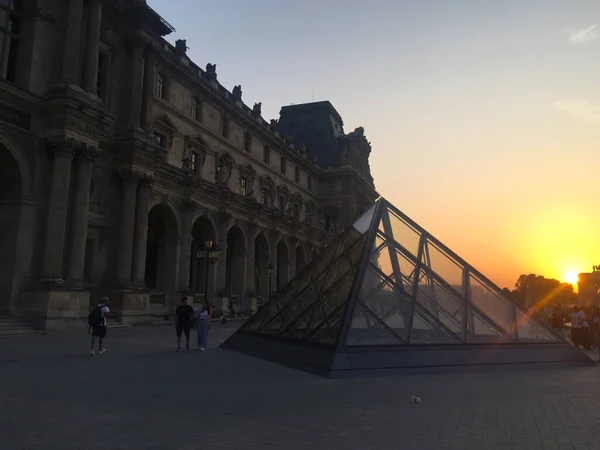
x=184 y=316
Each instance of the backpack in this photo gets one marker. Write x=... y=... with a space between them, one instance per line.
x=95 y=316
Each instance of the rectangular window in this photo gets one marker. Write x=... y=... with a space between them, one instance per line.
x=263 y=196
x=247 y=141
x=102 y=79
x=330 y=188
x=160 y=140
x=266 y=155
x=160 y=85
x=194 y=111
x=297 y=175
x=243 y=186
x=282 y=204
x=282 y=166
x=309 y=182
x=224 y=126
x=194 y=161
x=329 y=222
x=10 y=27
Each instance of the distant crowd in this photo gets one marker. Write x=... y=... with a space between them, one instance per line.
x=583 y=323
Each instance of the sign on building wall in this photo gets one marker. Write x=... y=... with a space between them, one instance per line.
x=15 y=117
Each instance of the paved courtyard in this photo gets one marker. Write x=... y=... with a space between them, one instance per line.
x=143 y=395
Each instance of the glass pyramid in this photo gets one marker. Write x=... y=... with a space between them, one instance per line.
x=384 y=292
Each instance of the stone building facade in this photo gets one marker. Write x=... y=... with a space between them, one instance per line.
x=120 y=158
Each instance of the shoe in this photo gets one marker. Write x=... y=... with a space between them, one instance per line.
x=187 y=347
x=178 y=349
x=202 y=349
x=92 y=353
x=102 y=351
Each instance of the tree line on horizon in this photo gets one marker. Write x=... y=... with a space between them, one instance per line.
x=532 y=289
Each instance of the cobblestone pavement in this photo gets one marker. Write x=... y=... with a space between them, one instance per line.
x=143 y=395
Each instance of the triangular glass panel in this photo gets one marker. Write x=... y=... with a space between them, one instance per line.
x=528 y=331
x=480 y=331
x=444 y=265
x=387 y=302
x=401 y=231
x=363 y=223
x=494 y=306
x=441 y=303
x=426 y=330
x=327 y=332
x=368 y=330
x=309 y=317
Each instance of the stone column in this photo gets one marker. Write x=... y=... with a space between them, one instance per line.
x=135 y=87
x=126 y=229
x=149 y=86
x=185 y=253
x=57 y=207
x=81 y=210
x=140 y=243
x=72 y=42
x=92 y=46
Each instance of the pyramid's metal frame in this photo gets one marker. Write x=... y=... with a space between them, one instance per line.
x=387 y=296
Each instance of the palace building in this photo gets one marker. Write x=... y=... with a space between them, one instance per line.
x=121 y=160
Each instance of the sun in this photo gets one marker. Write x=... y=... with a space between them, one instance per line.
x=571 y=277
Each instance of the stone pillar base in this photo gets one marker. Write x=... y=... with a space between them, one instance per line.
x=135 y=308
x=55 y=309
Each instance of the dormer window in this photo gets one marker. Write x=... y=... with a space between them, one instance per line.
x=160 y=85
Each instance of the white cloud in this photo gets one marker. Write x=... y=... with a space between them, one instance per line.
x=583 y=36
x=581 y=109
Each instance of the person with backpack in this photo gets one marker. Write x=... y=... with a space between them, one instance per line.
x=97 y=324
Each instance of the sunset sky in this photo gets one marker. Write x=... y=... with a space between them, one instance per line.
x=484 y=116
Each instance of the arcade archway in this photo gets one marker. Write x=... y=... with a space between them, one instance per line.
x=236 y=264
x=300 y=259
x=161 y=253
x=261 y=266
x=283 y=264
x=202 y=231
x=10 y=215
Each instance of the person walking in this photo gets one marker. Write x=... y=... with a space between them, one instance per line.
x=203 y=325
x=97 y=325
x=184 y=317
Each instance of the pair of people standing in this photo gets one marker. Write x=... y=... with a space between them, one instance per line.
x=185 y=318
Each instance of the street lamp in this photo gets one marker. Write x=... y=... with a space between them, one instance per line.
x=270 y=268
x=210 y=253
